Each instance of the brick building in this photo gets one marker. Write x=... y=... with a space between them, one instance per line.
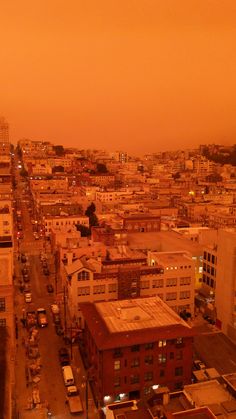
x=132 y=345
x=141 y=223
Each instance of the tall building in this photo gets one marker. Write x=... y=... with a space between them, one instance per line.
x=4 y=130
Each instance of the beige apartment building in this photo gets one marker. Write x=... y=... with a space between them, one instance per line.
x=63 y=222
x=167 y=275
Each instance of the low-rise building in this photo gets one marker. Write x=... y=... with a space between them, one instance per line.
x=132 y=345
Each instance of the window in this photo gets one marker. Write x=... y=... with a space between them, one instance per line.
x=170 y=296
x=2 y=304
x=179 y=341
x=184 y=295
x=148 y=376
x=135 y=348
x=157 y=283
x=83 y=276
x=171 y=282
x=213 y=259
x=205 y=255
x=178 y=371
x=148 y=360
x=162 y=343
x=117 y=353
x=149 y=345
x=117 y=365
x=3 y=322
x=172 y=355
x=162 y=373
x=144 y=285
x=99 y=289
x=83 y=291
x=134 y=379
x=117 y=381
x=162 y=358
x=186 y=280
x=5 y=223
x=135 y=362
x=112 y=288
x=179 y=355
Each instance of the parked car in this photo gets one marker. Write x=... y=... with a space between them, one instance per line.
x=46 y=271
x=55 y=309
x=57 y=318
x=59 y=329
x=28 y=297
x=50 y=288
x=64 y=357
x=23 y=258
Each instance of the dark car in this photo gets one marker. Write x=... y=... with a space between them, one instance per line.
x=64 y=356
x=59 y=330
x=46 y=271
x=56 y=318
x=50 y=288
x=23 y=258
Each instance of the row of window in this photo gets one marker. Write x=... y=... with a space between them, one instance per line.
x=2 y=304
x=150 y=345
x=50 y=223
x=210 y=258
x=156 y=283
x=101 y=289
x=170 y=282
x=148 y=376
x=209 y=269
x=208 y=281
x=148 y=360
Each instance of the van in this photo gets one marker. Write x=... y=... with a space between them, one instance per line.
x=68 y=375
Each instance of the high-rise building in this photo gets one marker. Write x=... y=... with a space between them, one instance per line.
x=4 y=130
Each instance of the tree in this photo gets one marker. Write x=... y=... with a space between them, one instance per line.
x=57 y=169
x=59 y=150
x=90 y=210
x=85 y=231
x=93 y=220
x=101 y=168
x=23 y=172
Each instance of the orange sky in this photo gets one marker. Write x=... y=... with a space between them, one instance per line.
x=139 y=75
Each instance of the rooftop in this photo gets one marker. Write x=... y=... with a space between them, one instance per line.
x=136 y=314
x=114 y=324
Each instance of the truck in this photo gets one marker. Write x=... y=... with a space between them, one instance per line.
x=73 y=400
x=42 y=318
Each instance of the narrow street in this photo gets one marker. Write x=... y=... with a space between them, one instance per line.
x=49 y=381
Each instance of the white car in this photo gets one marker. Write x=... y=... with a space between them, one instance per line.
x=28 y=297
x=55 y=309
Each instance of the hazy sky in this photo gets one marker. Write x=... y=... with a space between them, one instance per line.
x=139 y=75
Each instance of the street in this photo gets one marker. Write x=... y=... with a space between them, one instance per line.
x=49 y=381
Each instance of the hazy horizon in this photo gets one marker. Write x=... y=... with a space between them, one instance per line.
x=142 y=75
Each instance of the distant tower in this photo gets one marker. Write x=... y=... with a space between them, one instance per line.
x=4 y=130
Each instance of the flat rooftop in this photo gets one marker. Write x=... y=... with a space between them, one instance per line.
x=136 y=314
x=163 y=241
x=208 y=393
x=172 y=257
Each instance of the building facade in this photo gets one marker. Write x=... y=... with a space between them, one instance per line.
x=132 y=346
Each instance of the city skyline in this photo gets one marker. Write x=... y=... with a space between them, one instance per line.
x=140 y=76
